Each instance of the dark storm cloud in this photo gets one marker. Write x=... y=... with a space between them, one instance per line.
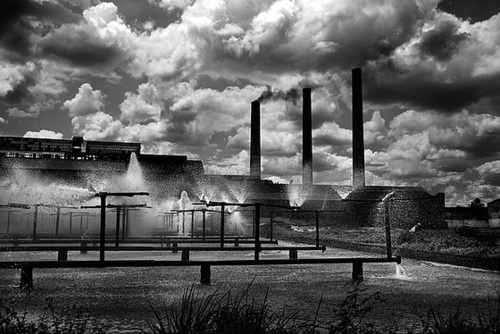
x=325 y=140
x=16 y=23
x=456 y=165
x=20 y=92
x=423 y=90
x=443 y=41
x=80 y=50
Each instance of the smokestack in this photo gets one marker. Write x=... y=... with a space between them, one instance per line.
x=358 y=146
x=307 y=168
x=255 y=140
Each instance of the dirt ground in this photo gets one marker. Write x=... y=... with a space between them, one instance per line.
x=119 y=297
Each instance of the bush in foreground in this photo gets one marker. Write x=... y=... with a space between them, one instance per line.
x=225 y=312
x=68 y=320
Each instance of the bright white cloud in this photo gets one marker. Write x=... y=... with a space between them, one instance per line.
x=87 y=101
x=44 y=134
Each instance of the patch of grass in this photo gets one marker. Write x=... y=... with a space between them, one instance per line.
x=462 y=241
x=224 y=312
x=70 y=319
x=437 y=322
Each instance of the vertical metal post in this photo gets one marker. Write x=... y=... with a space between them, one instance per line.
x=317 y=227
x=35 y=222
x=103 y=227
x=8 y=221
x=117 y=228
x=70 y=222
x=124 y=218
x=192 y=223
x=271 y=222
x=204 y=223
x=222 y=210
x=81 y=224
x=388 y=240
x=58 y=215
x=257 y=231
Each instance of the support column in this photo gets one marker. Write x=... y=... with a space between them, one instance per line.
x=103 y=228
x=257 y=230
x=388 y=241
x=205 y=274
x=26 y=278
x=357 y=271
x=192 y=223
x=204 y=223
x=58 y=215
x=35 y=218
x=222 y=211
x=317 y=227
x=117 y=228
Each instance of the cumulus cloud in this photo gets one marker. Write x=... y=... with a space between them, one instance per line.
x=97 y=126
x=43 y=134
x=86 y=101
x=171 y=4
x=18 y=113
x=102 y=41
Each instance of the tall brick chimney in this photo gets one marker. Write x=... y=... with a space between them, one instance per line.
x=307 y=167
x=255 y=140
x=358 y=146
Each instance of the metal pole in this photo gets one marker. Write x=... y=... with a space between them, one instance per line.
x=222 y=209
x=317 y=227
x=117 y=229
x=204 y=223
x=257 y=231
x=103 y=227
x=123 y=223
x=192 y=223
x=271 y=232
x=387 y=230
x=35 y=221
x=70 y=222
x=8 y=221
x=58 y=215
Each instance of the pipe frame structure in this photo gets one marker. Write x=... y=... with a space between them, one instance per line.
x=103 y=195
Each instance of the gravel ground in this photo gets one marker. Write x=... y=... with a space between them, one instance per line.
x=118 y=298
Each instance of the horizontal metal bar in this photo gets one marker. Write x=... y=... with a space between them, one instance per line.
x=152 y=248
x=153 y=263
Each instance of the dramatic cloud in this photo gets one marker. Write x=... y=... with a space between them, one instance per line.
x=179 y=76
x=21 y=22
x=103 y=40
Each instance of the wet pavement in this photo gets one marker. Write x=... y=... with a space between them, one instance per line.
x=119 y=298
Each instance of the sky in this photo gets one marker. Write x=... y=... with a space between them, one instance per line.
x=178 y=76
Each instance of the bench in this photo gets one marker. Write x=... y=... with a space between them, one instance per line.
x=205 y=265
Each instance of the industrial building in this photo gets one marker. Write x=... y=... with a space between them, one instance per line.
x=78 y=161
